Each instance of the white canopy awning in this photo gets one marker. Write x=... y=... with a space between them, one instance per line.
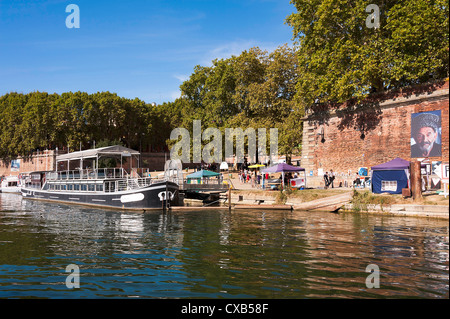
x=108 y=151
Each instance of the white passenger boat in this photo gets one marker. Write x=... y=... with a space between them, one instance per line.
x=10 y=184
x=108 y=187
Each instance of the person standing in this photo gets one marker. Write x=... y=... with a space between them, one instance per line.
x=325 y=178
x=332 y=177
x=357 y=181
x=263 y=180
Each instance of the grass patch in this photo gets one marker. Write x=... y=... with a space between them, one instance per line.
x=281 y=198
x=307 y=195
x=361 y=200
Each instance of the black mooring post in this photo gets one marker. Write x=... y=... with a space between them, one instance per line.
x=167 y=198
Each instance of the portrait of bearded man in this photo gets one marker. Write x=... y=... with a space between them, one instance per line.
x=425 y=130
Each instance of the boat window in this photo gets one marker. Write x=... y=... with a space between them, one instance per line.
x=109 y=187
x=70 y=187
x=83 y=187
x=91 y=187
x=101 y=173
x=99 y=187
x=76 y=187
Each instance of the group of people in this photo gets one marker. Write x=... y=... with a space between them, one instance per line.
x=359 y=181
x=329 y=179
x=246 y=176
x=259 y=180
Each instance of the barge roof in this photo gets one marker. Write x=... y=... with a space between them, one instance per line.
x=108 y=151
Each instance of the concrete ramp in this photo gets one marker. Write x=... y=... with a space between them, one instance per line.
x=326 y=204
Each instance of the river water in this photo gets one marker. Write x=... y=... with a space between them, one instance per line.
x=217 y=254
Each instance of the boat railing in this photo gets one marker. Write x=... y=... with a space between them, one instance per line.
x=205 y=184
x=110 y=179
x=101 y=173
x=140 y=172
x=128 y=184
x=34 y=185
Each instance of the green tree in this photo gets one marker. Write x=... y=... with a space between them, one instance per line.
x=255 y=89
x=164 y=118
x=11 y=109
x=272 y=101
x=71 y=123
x=38 y=122
x=341 y=58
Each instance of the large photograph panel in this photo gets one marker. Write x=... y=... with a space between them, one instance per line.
x=426 y=134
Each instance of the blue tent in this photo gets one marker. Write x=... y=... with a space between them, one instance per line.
x=390 y=177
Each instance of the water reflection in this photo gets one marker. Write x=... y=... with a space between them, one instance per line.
x=263 y=254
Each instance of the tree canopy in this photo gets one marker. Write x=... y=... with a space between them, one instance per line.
x=340 y=57
x=253 y=90
x=38 y=121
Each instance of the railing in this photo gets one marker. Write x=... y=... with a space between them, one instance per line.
x=206 y=184
x=89 y=180
x=128 y=184
x=140 y=172
x=35 y=185
x=101 y=173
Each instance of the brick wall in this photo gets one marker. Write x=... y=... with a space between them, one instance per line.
x=331 y=144
x=41 y=161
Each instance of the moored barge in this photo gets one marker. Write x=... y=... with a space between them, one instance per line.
x=106 y=187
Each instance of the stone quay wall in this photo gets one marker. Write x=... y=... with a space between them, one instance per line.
x=331 y=145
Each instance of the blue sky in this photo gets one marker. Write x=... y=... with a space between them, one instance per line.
x=143 y=49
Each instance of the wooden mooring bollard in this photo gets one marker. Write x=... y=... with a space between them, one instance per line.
x=416 y=179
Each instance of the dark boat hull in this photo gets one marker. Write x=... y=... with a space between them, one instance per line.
x=146 y=198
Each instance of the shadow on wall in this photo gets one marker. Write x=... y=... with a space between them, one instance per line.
x=364 y=115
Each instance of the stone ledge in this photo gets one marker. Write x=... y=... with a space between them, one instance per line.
x=437 y=211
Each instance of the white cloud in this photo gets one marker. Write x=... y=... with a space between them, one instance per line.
x=175 y=95
x=226 y=50
x=181 y=77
